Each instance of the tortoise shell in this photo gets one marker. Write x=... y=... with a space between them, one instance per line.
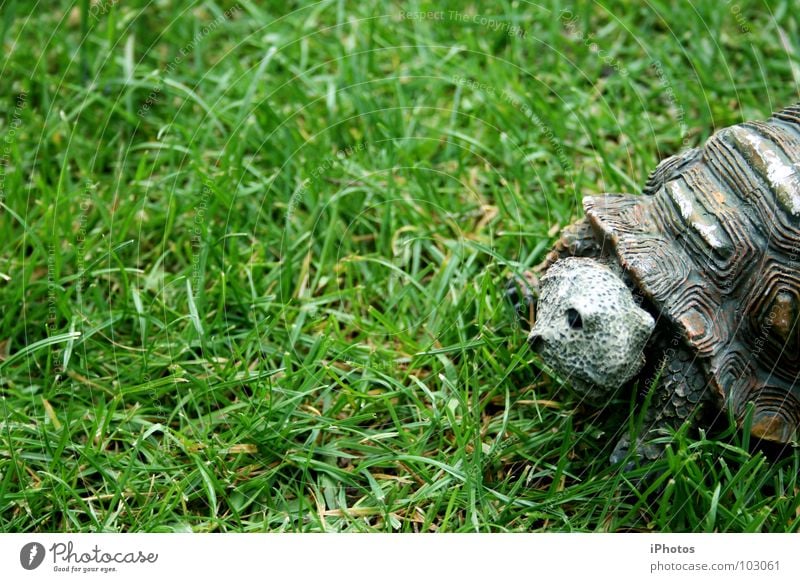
x=714 y=244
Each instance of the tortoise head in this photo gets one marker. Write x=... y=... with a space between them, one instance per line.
x=588 y=327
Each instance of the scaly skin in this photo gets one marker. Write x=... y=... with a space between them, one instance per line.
x=680 y=394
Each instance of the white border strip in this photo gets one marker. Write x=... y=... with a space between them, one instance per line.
x=401 y=557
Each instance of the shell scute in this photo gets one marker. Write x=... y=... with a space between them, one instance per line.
x=714 y=244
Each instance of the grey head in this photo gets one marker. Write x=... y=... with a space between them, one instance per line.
x=588 y=327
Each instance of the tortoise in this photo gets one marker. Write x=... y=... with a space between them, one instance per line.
x=697 y=277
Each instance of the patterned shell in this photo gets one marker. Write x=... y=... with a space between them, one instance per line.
x=714 y=243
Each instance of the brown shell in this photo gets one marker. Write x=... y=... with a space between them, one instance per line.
x=714 y=243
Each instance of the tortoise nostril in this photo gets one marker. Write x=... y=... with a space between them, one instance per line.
x=536 y=342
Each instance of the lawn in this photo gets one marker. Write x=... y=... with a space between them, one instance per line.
x=253 y=256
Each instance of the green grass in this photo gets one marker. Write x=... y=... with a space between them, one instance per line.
x=251 y=275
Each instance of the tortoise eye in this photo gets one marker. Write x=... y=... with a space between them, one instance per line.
x=574 y=319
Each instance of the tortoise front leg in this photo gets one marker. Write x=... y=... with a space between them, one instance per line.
x=577 y=240
x=679 y=396
x=522 y=292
